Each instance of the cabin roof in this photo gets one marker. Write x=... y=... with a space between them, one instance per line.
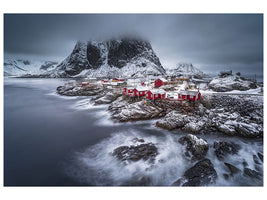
x=140 y=88
x=163 y=79
x=160 y=91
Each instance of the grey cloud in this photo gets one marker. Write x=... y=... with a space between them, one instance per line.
x=234 y=40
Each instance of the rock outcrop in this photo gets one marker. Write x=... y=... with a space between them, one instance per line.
x=78 y=91
x=196 y=146
x=145 y=151
x=222 y=149
x=201 y=174
x=125 y=111
x=106 y=98
x=231 y=82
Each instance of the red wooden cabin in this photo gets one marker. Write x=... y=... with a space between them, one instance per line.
x=140 y=91
x=159 y=82
x=193 y=95
x=128 y=91
x=155 y=94
x=85 y=83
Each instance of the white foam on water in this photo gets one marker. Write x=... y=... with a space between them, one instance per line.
x=86 y=104
x=54 y=93
x=104 y=118
x=97 y=166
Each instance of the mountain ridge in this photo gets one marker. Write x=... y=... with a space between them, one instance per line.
x=120 y=55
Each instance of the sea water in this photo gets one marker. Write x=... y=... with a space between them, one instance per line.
x=52 y=140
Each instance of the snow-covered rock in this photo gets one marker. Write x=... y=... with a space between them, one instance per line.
x=231 y=82
x=125 y=111
x=249 y=130
x=106 y=99
x=78 y=91
x=229 y=114
x=194 y=127
x=197 y=146
x=174 y=120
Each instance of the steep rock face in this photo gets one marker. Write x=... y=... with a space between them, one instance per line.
x=124 y=57
x=93 y=56
x=74 y=63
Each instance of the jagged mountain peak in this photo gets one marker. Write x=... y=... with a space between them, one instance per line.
x=186 y=69
x=116 y=54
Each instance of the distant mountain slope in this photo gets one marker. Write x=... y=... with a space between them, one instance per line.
x=123 y=57
x=19 y=67
x=186 y=69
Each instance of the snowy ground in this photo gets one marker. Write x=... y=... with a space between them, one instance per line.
x=257 y=91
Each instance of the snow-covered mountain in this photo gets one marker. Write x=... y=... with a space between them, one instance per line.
x=111 y=58
x=18 y=67
x=186 y=69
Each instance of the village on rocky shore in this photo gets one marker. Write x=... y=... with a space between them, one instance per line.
x=227 y=104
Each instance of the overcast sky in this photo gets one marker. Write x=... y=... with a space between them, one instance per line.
x=210 y=42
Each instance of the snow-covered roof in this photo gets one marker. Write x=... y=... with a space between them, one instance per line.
x=159 y=91
x=183 y=92
x=130 y=88
x=163 y=80
x=140 y=88
x=192 y=92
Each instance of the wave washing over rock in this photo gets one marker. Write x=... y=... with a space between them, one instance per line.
x=136 y=158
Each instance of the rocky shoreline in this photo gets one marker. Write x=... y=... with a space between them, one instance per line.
x=202 y=171
x=229 y=114
x=232 y=115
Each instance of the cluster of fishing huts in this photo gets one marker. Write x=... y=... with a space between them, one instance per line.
x=152 y=89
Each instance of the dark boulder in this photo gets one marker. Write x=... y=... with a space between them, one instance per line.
x=226 y=176
x=256 y=160
x=222 y=149
x=201 y=174
x=254 y=175
x=245 y=164
x=145 y=152
x=233 y=169
x=260 y=156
